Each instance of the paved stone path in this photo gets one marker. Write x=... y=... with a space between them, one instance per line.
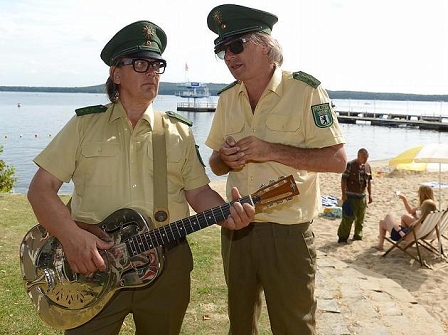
x=353 y=300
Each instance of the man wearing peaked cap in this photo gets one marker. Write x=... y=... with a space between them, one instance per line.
x=139 y=39
x=234 y=20
x=280 y=123
x=116 y=155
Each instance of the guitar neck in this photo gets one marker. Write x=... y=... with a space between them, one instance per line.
x=181 y=228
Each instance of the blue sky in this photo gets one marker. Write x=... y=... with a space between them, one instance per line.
x=357 y=45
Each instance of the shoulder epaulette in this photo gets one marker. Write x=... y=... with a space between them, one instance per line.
x=228 y=86
x=179 y=117
x=90 y=110
x=306 y=78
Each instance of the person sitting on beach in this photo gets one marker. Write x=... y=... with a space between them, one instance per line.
x=413 y=213
x=397 y=230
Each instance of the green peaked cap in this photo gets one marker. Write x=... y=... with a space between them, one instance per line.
x=234 y=20
x=139 y=39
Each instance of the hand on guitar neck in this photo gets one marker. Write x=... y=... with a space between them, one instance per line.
x=62 y=277
x=83 y=244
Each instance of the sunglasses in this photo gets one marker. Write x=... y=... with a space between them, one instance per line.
x=236 y=47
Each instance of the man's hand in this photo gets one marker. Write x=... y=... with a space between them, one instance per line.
x=254 y=150
x=231 y=155
x=81 y=250
x=240 y=214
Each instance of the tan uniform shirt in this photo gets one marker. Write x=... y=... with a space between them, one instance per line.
x=111 y=164
x=283 y=115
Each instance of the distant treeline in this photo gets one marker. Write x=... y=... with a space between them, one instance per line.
x=172 y=88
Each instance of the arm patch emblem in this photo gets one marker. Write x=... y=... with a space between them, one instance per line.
x=322 y=115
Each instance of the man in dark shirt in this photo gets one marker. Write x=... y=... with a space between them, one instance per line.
x=354 y=182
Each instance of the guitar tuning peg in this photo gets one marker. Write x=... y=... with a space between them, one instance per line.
x=271 y=181
x=288 y=198
x=262 y=185
x=281 y=177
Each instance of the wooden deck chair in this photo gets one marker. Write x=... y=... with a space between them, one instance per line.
x=436 y=234
x=444 y=228
x=440 y=233
x=427 y=232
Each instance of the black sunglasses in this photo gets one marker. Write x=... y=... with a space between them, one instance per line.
x=236 y=47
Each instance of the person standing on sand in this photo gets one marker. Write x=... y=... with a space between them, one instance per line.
x=355 y=180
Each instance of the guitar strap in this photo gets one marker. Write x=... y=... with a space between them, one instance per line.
x=160 y=179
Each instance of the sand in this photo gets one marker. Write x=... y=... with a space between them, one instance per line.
x=428 y=286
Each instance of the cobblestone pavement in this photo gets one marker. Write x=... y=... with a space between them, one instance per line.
x=353 y=300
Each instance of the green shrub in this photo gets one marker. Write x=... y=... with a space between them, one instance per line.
x=7 y=179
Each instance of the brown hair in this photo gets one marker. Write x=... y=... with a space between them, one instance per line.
x=112 y=90
x=424 y=193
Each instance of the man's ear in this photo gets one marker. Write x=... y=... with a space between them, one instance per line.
x=114 y=74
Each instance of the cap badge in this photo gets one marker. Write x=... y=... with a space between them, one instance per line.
x=149 y=31
x=217 y=17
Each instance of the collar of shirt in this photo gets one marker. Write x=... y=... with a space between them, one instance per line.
x=119 y=112
x=274 y=84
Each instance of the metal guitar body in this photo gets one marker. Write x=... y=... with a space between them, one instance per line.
x=67 y=300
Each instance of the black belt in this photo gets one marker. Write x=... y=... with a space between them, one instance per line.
x=170 y=245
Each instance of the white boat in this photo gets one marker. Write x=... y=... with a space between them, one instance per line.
x=196 y=91
x=193 y=90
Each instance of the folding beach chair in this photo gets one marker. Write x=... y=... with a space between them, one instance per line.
x=441 y=232
x=429 y=230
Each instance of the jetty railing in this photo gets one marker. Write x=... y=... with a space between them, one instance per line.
x=196 y=106
x=435 y=122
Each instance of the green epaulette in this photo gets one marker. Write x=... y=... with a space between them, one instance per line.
x=306 y=78
x=179 y=117
x=228 y=86
x=90 y=110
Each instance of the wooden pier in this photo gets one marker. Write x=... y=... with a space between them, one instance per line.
x=208 y=107
x=426 y=122
x=394 y=120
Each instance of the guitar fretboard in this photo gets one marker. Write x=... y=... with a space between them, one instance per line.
x=181 y=228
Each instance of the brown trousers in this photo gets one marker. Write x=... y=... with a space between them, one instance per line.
x=157 y=309
x=279 y=260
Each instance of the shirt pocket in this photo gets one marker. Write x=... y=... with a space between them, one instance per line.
x=175 y=158
x=282 y=123
x=283 y=128
x=234 y=128
x=98 y=162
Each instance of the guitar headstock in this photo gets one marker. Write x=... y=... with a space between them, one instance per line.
x=276 y=192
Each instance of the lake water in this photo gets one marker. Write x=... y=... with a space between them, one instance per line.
x=26 y=130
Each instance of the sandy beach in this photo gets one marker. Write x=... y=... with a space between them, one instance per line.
x=428 y=286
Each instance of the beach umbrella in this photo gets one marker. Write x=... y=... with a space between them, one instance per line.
x=426 y=157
